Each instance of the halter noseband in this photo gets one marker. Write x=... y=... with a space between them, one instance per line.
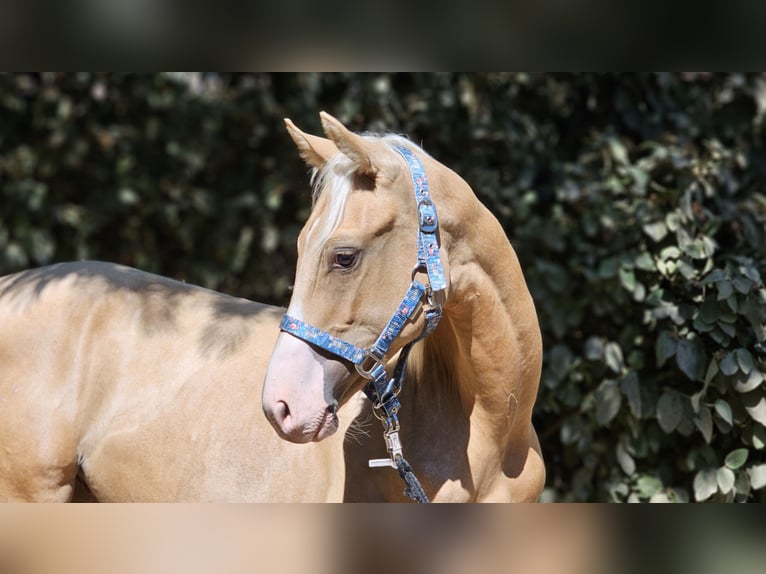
x=370 y=362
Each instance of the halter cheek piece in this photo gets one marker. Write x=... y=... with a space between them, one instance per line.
x=370 y=362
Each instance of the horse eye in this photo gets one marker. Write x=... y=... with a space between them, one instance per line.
x=344 y=259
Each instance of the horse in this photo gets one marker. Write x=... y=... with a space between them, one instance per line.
x=121 y=385
x=463 y=344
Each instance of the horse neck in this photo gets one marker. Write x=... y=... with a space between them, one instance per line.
x=483 y=361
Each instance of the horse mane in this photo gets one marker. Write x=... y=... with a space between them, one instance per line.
x=336 y=178
x=433 y=364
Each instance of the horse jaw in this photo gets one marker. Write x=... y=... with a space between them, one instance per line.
x=298 y=392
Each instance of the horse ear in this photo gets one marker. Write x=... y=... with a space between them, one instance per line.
x=314 y=150
x=352 y=145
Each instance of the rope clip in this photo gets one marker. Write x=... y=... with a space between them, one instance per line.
x=394 y=447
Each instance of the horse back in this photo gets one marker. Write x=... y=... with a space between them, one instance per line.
x=97 y=358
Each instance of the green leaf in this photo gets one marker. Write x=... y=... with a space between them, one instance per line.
x=628 y=279
x=745 y=360
x=594 y=348
x=639 y=293
x=742 y=284
x=712 y=371
x=618 y=151
x=705 y=484
x=725 y=479
x=758 y=439
x=662 y=267
x=751 y=272
x=742 y=484
x=736 y=458
x=687 y=270
x=729 y=364
x=608 y=401
x=607 y=268
x=648 y=486
x=669 y=411
x=626 y=462
x=632 y=391
x=694 y=250
x=695 y=401
x=714 y=276
x=704 y=422
x=657 y=231
x=749 y=383
x=725 y=290
x=756 y=408
x=559 y=360
x=709 y=246
x=665 y=347
x=757 y=476
x=644 y=262
x=128 y=196
x=691 y=358
x=670 y=252
x=727 y=328
x=673 y=220
x=724 y=410
x=613 y=356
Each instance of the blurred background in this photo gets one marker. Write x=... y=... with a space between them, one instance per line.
x=351 y=539
x=636 y=203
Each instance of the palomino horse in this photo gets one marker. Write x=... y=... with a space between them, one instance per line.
x=469 y=387
x=118 y=385
x=146 y=388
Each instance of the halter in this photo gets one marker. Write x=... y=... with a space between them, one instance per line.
x=370 y=362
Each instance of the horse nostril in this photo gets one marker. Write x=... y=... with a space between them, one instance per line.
x=282 y=411
x=333 y=408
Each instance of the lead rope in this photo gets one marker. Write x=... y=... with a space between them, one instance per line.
x=385 y=400
x=414 y=490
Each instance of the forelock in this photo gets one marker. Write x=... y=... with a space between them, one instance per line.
x=335 y=179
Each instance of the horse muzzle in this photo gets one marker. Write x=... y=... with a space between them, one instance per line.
x=294 y=429
x=298 y=392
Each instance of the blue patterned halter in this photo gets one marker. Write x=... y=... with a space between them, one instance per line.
x=370 y=362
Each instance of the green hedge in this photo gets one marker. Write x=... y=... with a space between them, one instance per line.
x=636 y=203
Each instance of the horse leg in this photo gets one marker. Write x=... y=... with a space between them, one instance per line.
x=38 y=461
x=523 y=473
x=38 y=482
x=38 y=436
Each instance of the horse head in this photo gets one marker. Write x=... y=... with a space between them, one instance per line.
x=357 y=256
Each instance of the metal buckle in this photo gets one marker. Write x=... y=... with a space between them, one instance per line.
x=436 y=298
x=369 y=355
x=427 y=218
x=386 y=410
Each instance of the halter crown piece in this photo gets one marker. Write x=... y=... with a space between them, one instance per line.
x=370 y=362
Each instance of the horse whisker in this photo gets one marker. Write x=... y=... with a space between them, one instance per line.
x=359 y=429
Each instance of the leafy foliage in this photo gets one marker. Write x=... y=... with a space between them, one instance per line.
x=636 y=204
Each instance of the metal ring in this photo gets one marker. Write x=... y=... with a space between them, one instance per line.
x=419 y=268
